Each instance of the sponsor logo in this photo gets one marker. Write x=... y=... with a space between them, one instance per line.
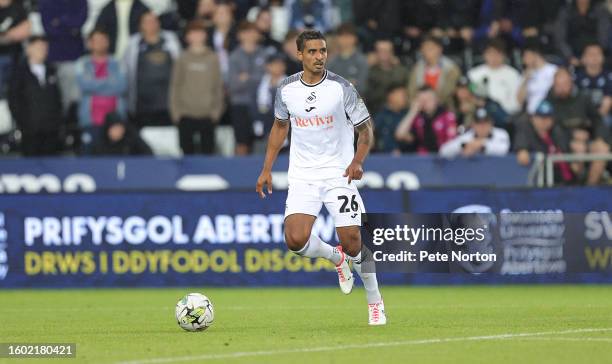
x=311 y=98
x=313 y=121
x=309 y=109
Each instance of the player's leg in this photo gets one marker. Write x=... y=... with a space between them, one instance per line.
x=302 y=207
x=344 y=203
x=300 y=240
x=350 y=238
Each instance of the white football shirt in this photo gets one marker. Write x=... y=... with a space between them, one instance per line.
x=323 y=118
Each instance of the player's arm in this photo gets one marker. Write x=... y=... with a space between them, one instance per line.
x=277 y=137
x=365 y=140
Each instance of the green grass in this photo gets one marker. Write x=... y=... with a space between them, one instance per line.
x=137 y=324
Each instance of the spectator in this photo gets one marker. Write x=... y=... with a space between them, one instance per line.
x=498 y=81
x=498 y=19
x=205 y=12
x=35 y=101
x=246 y=69
x=187 y=9
x=120 y=19
x=538 y=77
x=577 y=116
x=428 y=125
x=465 y=103
x=387 y=120
x=196 y=92
x=461 y=17
x=481 y=139
x=264 y=24
x=102 y=85
x=350 y=63
x=62 y=21
x=541 y=134
x=263 y=110
x=309 y=14
x=292 y=64
x=579 y=24
x=223 y=35
x=377 y=19
x=434 y=70
x=120 y=138
x=148 y=62
x=384 y=73
x=14 y=29
x=596 y=80
x=424 y=17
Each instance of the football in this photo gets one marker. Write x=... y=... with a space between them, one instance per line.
x=194 y=312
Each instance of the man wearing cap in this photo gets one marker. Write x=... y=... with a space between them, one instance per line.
x=481 y=139
x=541 y=134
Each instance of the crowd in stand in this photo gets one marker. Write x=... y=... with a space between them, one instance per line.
x=449 y=77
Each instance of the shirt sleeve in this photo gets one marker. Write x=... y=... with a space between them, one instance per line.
x=280 y=108
x=355 y=108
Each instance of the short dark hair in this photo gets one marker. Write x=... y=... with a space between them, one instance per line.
x=592 y=44
x=37 y=38
x=394 y=86
x=432 y=39
x=496 y=44
x=245 y=26
x=533 y=46
x=306 y=36
x=195 y=25
x=101 y=31
x=346 y=29
x=426 y=88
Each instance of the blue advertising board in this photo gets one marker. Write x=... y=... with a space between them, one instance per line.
x=158 y=239
x=56 y=175
x=236 y=239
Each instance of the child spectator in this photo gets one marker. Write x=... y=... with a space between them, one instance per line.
x=247 y=66
x=499 y=81
x=428 y=125
x=387 y=120
x=435 y=71
x=35 y=101
x=196 y=92
x=120 y=138
x=263 y=110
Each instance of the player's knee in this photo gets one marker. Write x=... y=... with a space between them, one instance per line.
x=295 y=240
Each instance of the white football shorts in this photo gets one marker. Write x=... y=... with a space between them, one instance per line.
x=341 y=199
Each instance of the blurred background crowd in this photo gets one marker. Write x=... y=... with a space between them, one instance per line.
x=449 y=77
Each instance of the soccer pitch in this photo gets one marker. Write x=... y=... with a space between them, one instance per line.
x=501 y=324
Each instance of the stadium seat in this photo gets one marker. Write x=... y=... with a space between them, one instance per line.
x=163 y=140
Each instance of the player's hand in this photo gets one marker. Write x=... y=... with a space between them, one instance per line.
x=265 y=178
x=354 y=171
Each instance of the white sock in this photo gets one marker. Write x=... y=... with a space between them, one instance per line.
x=370 y=283
x=317 y=248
